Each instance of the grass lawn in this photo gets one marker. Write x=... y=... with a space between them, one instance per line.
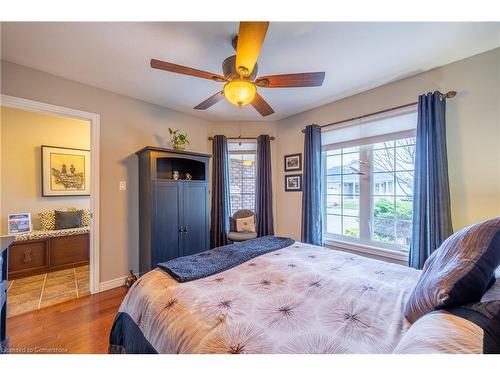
x=351 y=206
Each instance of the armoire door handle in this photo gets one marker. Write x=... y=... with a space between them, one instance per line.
x=185 y=229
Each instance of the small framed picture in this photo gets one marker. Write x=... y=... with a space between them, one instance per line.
x=293 y=182
x=19 y=223
x=65 y=171
x=293 y=162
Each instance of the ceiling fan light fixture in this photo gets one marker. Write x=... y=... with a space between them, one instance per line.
x=240 y=72
x=240 y=92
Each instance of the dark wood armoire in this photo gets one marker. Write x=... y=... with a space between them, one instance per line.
x=174 y=216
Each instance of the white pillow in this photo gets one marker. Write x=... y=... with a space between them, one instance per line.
x=442 y=332
x=246 y=224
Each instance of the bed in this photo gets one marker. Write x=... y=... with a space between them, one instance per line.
x=298 y=299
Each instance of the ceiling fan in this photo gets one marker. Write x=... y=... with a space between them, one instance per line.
x=240 y=72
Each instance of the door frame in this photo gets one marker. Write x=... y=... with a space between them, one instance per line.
x=94 y=118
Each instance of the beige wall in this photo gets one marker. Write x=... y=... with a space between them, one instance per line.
x=126 y=126
x=473 y=134
x=22 y=134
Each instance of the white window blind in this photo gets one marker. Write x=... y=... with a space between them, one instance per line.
x=246 y=146
x=370 y=129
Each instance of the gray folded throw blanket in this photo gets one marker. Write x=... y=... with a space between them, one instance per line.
x=219 y=259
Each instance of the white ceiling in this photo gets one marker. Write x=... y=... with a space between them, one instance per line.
x=355 y=57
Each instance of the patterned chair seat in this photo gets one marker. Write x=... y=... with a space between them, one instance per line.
x=241 y=236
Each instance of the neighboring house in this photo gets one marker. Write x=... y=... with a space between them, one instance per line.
x=348 y=175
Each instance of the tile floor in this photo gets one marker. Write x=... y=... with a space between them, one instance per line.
x=35 y=292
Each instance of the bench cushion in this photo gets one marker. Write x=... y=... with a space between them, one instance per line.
x=41 y=234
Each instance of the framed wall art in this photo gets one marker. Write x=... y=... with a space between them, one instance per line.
x=65 y=171
x=293 y=182
x=293 y=162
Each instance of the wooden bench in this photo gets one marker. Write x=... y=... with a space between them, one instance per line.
x=40 y=252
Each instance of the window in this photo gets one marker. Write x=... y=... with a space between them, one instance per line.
x=369 y=186
x=393 y=168
x=241 y=176
x=342 y=203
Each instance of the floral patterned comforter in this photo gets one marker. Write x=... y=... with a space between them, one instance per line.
x=299 y=299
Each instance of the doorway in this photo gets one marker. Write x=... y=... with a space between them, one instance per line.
x=63 y=250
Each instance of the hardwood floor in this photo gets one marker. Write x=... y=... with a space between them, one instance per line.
x=77 y=326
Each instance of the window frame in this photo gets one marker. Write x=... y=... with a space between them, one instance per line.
x=242 y=152
x=364 y=243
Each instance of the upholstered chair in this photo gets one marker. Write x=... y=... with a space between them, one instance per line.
x=235 y=236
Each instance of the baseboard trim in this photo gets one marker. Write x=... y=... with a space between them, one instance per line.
x=115 y=283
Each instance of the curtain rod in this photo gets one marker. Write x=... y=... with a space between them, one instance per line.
x=448 y=95
x=241 y=138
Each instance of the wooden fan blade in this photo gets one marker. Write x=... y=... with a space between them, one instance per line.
x=292 y=80
x=169 y=67
x=261 y=105
x=250 y=38
x=211 y=101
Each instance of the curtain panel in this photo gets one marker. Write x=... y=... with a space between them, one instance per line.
x=431 y=192
x=312 y=197
x=220 y=192
x=264 y=188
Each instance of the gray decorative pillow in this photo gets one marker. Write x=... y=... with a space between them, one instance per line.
x=67 y=219
x=86 y=217
x=459 y=271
